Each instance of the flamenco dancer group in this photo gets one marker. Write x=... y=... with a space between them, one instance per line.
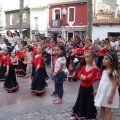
x=106 y=97
x=9 y=69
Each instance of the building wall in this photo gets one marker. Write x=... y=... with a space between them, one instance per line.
x=102 y=31
x=42 y=14
x=16 y=19
x=80 y=15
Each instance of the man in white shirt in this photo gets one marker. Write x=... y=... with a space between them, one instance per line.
x=112 y=42
x=116 y=43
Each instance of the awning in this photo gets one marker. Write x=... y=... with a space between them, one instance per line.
x=69 y=29
x=12 y=30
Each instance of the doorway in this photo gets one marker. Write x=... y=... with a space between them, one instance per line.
x=113 y=34
x=70 y=35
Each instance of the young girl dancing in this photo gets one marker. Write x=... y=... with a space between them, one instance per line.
x=21 y=70
x=2 y=68
x=38 y=83
x=14 y=60
x=59 y=74
x=10 y=84
x=84 y=107
x=107 y=96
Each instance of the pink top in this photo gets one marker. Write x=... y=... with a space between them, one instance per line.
x=51 y=45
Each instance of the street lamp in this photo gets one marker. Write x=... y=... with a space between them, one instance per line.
x=81 y=29
x=64 y=12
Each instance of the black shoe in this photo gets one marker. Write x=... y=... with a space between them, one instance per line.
x=53 y=93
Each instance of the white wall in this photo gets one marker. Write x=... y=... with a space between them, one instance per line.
x=101 y=31
x=42 y=15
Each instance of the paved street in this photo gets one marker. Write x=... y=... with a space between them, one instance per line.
x=23 y=105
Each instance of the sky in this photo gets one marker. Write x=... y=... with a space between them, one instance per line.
x=15 y=3
x=118 y=2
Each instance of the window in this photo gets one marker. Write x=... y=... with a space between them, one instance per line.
x=11 y=19
x=71 y=14
x=36 y=23
x=0 y=19
x=24 y=17
x=57 y=14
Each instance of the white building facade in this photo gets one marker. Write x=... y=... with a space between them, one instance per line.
x=104 y=31
x=106 y=19
x=2 y=20
x=38 y=20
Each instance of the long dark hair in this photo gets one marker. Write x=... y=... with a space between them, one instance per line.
x=63 y=49
x=114 y=65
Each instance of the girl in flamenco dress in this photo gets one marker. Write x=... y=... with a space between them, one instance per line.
x=21 y=70
x=10 y=84
x=2 y=68
x=38 y=83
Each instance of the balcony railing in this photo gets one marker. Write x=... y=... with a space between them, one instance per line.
x=55 y=23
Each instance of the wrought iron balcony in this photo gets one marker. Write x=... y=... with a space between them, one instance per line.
x=55 y=23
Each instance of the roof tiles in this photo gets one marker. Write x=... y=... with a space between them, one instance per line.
x=104 y=18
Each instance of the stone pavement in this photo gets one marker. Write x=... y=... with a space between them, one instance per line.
x=23 y=105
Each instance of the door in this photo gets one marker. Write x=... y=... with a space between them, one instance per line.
x=70 y=35
x=113 y=34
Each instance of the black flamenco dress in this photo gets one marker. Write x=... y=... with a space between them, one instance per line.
x=2 y=69
x=84 y=108
x=10 y=84
x=21 y=69
x=38 y=83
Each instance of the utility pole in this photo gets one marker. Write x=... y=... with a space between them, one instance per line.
x=89 y=19
x=21 y=18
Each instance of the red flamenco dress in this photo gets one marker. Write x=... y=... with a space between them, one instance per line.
x=10 y=84
x=38 y=83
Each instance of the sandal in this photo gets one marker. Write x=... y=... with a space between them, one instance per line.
x=57 y=101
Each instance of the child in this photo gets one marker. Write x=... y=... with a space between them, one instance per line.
x=2 y=68
x=71 y=56
x=101 y=51
x=109 y=48
x=54 y=59
x=107 y=96
x=14 y=60
x=38 y=83
x=84 y=107
x=28 y=57
x=10 y=84
x=118 y=55
x=59 y=74
x=21 y=70
x=71 y=76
